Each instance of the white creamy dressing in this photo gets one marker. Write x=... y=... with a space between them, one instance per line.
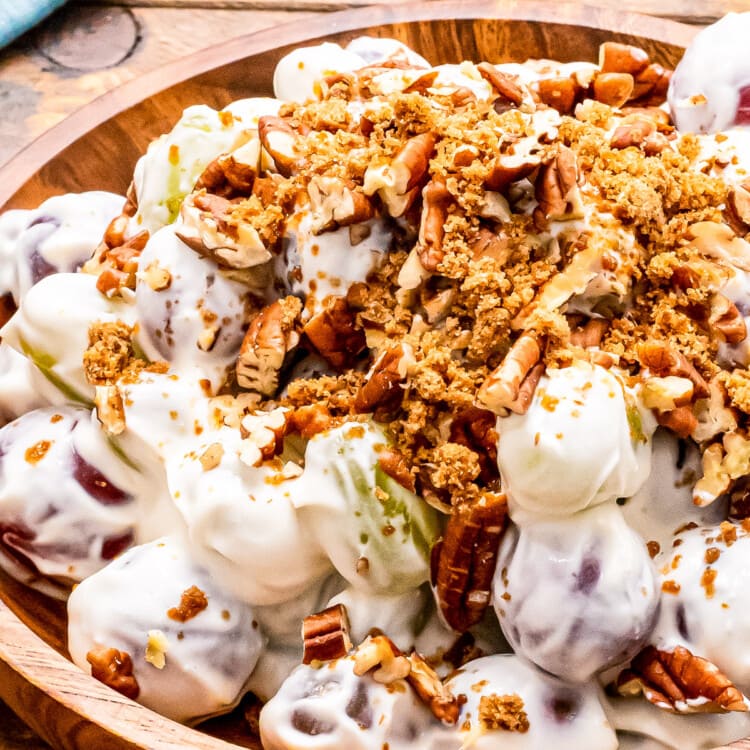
x=54 y=333
x=57 y=237
x=575 y=595
x=584 y=440
x=207 y=658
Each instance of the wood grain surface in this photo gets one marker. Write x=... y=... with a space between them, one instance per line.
x=87 y=51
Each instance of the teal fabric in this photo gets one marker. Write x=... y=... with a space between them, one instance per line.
x=17 y=16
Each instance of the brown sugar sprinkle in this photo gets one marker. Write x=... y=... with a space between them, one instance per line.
x=707 y=582
x=503 y=712
x=192 y=602
x=728 y=533
x=712 y=555
x=38 y=451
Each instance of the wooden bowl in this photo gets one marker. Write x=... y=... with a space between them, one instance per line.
x=97 y=147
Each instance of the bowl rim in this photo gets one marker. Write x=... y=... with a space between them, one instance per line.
x=32 y=673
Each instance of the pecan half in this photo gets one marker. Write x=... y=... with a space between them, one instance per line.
x=398 y=183
x=559 y=93
x=337 y=203
x=326 y=635
x=663 y=360
x=504 y=84
x=615 y=57
x=271 y=335
x=382 y=388
x=680 y=681
x=556 y=187
x=651 y=85
x=379 y=653
x=115 y=669
x=335 y=335
x=435 y=202
x=431 y=690
x=464 y=560
x=500 y=391
x=280 y=141
x=613 y=89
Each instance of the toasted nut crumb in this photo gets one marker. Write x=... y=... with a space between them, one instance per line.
x=211 y=457
x=192 y=602
x=156 y=649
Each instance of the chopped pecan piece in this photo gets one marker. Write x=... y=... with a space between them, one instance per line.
x=501 y=389
x=556 y=187
x=326 y=635
x=430 y=688
x=115 y=261
x=436 y=200
x=229 y=178
x=115 y=669
x=382 y=387
x=211 y=228
x=738 y=208
x=337 y=203
x=507 y=168
x=725 y=321
x=280 y=141
x=680 y=681
x=310 y=420
x=378 y=652
x=335 y=335
x=663 y=360
x=680 y=420
x=271 y=335
x=464 y=560
x=394 y=465
x=398 y=183
x=110 y=409
x=504 y=84
x=590 y=334
x=262 y=435
x=475 y=428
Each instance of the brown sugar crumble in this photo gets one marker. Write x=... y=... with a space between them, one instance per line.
x=192 y=602
x=503 y=712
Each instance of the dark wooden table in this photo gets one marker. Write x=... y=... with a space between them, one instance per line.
x=88 y=48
